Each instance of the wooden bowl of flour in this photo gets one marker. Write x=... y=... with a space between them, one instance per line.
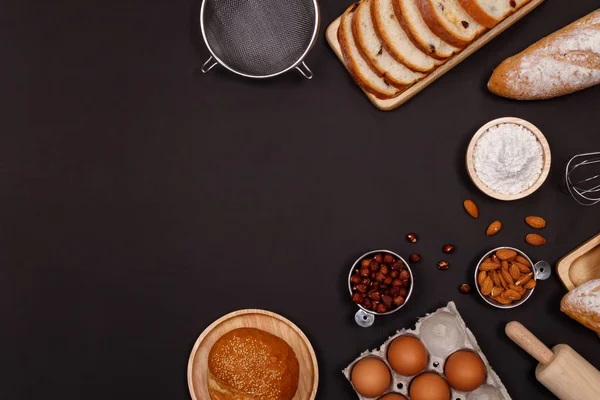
x=504 y=177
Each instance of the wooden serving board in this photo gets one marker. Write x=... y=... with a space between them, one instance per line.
x=266 y=321
x=390 y=104
x=580 y=265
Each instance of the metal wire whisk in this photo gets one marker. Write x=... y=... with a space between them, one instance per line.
x=583 y=178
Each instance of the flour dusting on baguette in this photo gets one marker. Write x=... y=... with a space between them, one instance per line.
x=564 y=62
x=583 y=304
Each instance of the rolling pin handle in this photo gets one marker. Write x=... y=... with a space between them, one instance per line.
x=528 y=342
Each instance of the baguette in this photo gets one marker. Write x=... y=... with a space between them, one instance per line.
x=564 y=62
x=583 y=304
x=360 y=70
x=375 y=54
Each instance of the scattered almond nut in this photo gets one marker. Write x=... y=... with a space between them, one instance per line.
x=535 y=240
x=493 y=228
x=471 y=208
x=535 y=222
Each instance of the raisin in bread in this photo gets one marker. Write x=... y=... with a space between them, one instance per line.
x=489 y=12
x=450 y=22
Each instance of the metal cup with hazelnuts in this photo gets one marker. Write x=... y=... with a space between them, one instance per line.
x=380 y=283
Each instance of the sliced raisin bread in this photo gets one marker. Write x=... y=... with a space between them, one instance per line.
x=489 y=12
x=375 y=54
x=450 y=22
x=419 y=33
x=362 y=73
x=395 y=40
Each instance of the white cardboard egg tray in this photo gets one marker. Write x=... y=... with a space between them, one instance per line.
x=442 y=332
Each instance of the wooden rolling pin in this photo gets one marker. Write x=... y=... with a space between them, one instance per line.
x=564 y=372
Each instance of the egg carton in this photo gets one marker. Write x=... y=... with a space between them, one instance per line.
x=442 y=332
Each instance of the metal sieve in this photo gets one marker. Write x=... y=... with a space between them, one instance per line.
x=259 y=38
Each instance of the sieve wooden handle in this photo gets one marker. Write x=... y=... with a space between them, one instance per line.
x=528 y=342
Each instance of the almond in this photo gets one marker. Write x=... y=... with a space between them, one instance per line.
x=487 y=286
x=502 y=280
x=511 y=294
x=514 y=271
x=522 y=260
x=535 y=222
x=495 y=259
x=524 y=269
x=488 y=266
x=524 y=279
x=471 y=208
x=505 y=265
x=501 y=300
x=497 y=291
x=495 y=279
x=517 y=289
x=535 y=240
x=506 y=254
x=493 y=228
x=507 y=277
x=481 y=277
x=529 y=285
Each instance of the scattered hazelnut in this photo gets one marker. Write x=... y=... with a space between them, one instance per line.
x=465 y=288
x=412 y=237
x=378 y=257
x=388 y=259
x=443 y=265
x=415 y=258
x=448 y=249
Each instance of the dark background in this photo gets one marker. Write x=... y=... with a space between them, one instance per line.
x=142 y=200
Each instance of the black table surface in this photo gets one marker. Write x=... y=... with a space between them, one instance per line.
x=142 y=200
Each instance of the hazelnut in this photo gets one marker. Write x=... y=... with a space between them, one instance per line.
x=397 y=265
x=395 y=291
x=398 y=301
x=373 y=275
x=381 y=308
x=415 y=258
x=404 y=283
x=378 y=257
x=465 y=288
x=396 y=283
x=443 y=265
x=357 y=297
x=373 y=265
x=364 y=272
x=388 y=280
x=384 y=269
x=383 y=286
x=448 y=249
x=404 y=275
x=412 y=237
x=365 y=263
x=387 y=300
x=361 y=288
x=366 y=302
x=394 y=274
x=355 y=279
x=375 y=296
x=365 y=281
x=402 y=292
x=374 y=285
x=380 y=277
x=388 y=259
x=374 y=305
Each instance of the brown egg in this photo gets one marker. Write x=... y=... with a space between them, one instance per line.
x=392 y=396
x=429 y=386
x=370 y=377
x=465 y=370
x=407 y=355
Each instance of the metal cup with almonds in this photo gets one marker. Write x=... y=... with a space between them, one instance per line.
x=506 y=277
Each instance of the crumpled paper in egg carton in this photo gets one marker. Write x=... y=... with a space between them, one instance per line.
x=442 y=332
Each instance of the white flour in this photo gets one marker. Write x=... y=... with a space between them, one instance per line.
x=508 y=158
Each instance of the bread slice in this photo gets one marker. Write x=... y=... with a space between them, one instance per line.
x=375 y=54
x=360 y=70
x=395 y=39
x=583 y=304
x=419 y=33
x=449 y=21
x=489 y=12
